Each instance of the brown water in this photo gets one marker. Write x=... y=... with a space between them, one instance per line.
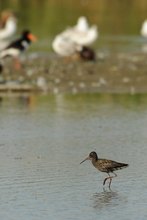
x=43 y=140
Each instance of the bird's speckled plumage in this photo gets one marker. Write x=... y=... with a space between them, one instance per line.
x=105 y=165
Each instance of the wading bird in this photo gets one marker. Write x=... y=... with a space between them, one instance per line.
x=104 y=165
x=15 y=48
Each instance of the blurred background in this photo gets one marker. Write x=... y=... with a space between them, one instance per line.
x=46 y=18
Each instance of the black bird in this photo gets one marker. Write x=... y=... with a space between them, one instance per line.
x=87 y=54
x=15 y=48
x=104 y=165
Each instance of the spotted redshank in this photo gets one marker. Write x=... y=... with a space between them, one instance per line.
x=104 y=165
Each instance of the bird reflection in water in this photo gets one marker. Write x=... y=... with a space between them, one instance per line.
x=106 y=198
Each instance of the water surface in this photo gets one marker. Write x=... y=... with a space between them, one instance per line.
x=43 y=140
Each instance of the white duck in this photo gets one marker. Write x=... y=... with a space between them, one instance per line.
x=64 y=46
x=8 y=25
x=81 y=33
x=74 y=38
x=144 y=29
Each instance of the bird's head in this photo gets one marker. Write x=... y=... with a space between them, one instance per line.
x=26 y=34
x=92 y=156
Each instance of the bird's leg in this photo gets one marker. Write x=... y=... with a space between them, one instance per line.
x=106 y=179
x=110 y=181
x=17 y=64
x=115 y=175
x=109 y=177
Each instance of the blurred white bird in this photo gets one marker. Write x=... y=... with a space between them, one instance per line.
x=8 y=24
x=82 y=33
x=73 y=39
x=144 y=29
x=64 y=46
x=8 y=27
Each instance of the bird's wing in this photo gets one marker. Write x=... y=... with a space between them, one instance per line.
x=110 y=165
x=14 y=44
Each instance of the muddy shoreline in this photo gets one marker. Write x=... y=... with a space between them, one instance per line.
x=110 y=73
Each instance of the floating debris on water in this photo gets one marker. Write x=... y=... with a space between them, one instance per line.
x=102 y=81
x=55 y=90
x=57 y=80
x=126 y=80
x=82 y=85
x=50 y=74
x=74 y=90
x=132 y=90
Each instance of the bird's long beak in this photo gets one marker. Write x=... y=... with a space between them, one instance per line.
x=87 y=158
x=32 y=37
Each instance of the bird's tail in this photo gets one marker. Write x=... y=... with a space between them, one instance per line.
x=121 y=166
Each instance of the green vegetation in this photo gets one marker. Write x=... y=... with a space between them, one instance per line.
x=48 y=17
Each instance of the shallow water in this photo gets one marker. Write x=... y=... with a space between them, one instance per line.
x=43 y=141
